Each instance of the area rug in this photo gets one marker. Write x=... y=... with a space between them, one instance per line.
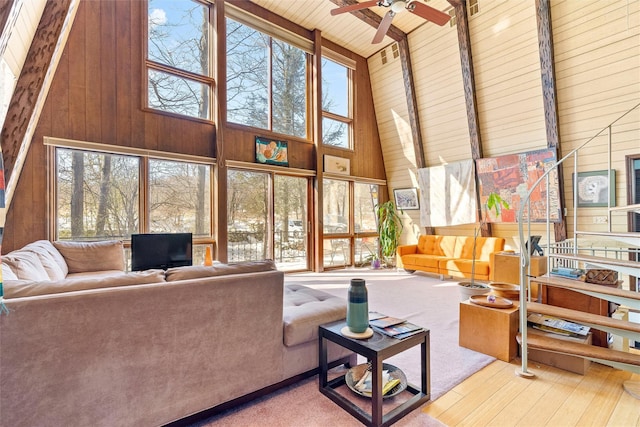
x=422 y=299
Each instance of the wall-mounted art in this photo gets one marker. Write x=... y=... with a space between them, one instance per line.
x=406 y=198
x=593 y=188
x=340 y=165
x=271 y=151
x=512 y=176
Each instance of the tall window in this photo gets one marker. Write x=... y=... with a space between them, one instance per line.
x=98 y=196
x=266 y=81
x=336 y=108
x=178 y=69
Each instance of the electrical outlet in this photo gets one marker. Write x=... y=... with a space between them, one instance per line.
x=600 y=219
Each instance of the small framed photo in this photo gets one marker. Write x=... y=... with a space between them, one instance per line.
x=594 y=186
x=340 y=165
x=406 y=198
x=271 y=151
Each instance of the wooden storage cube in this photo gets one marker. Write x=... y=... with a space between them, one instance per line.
x=576 y=364
x=489 y=330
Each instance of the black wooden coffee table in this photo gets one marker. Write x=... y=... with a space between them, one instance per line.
x=376 y=349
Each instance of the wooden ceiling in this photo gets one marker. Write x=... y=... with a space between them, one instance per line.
x=346 y=29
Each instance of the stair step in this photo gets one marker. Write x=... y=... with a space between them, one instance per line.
x=622 y=265
x=542 y=342
x=619 y=296
x=590 y=319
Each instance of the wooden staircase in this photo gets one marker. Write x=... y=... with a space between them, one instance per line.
x=581 y=258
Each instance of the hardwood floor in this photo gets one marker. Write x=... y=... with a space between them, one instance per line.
x=496 y=396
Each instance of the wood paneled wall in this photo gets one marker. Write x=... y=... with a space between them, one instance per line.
x=97 y=95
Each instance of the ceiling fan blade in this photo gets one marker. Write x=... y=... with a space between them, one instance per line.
x=428 y=13
x=352 y=7
x=383 y=27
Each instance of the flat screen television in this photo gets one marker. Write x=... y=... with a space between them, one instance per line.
x=160 y=250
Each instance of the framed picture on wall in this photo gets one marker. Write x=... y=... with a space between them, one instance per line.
x=271 y=151
x=594 y=186
x=340 y=165
x=406 y=198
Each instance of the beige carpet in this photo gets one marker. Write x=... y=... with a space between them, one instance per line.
x=419 y=298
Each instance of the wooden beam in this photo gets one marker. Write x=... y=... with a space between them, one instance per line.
x=7 y=9
x=371 y=18
x=412 y=107
x=32 y=86
x=468 y=82
x=549 y=98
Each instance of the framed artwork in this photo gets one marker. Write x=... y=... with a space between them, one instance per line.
x=333 y=164
x=594 y=186
x=271 y=152
x=406 y=198
x=511 y=176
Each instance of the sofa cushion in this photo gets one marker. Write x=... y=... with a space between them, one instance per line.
x=8 y=273
x=23 y=288
x=92 y=256
x=26 y=265
x=305 y=309
x=199 y=271
x=51 y=259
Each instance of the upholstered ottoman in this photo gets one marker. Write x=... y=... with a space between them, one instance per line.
x=304 y=310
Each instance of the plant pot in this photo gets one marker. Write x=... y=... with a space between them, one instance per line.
x=376 y=264
x=505 y=290
x=467 y=291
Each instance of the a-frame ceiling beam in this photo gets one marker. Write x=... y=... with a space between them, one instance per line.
x=549 y=99
x=371 y=18
x=469 y=86
x=31 y=89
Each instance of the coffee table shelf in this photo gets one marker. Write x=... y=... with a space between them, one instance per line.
x=376 y=349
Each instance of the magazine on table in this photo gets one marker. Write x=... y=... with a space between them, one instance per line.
x=400 y=331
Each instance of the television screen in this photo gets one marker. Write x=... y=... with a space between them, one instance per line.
x=161 y=250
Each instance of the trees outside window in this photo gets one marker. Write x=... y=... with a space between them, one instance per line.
x=178 y=69
x=266 y=81
x=98 y=196
x=336 y=107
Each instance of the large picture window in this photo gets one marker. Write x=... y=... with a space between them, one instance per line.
x=266 y=81
x=100 y=196
x=178 y=69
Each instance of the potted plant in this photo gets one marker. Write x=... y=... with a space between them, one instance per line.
x=389 y=226
x=470 y=288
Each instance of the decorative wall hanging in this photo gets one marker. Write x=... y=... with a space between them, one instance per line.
x=448 y=194
x=340 y=165
x=406 y=198
x=593 y=188
x=271 y=151
x=511 y=176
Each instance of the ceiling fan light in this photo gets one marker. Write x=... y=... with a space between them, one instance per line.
x=398 y=6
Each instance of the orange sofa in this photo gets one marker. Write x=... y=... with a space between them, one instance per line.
x=449 y=255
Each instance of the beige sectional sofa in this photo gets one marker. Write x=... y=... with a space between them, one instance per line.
x=449 y=255
x=85 y=343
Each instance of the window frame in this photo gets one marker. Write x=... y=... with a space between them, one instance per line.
x=52 y=144
x=350 y=65
x=275 y=32
x=207 y=80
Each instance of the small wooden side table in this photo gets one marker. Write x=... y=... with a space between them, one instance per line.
x=490 y=330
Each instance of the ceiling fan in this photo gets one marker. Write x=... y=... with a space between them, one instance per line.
x=397 y=6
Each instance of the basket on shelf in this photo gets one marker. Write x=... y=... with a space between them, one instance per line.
x=601 y=276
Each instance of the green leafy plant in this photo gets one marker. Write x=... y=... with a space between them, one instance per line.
x=495 y=203
x=390 y=228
